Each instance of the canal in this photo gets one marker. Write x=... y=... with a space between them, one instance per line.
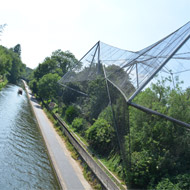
x=24 y=161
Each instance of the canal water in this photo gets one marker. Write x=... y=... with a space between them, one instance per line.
x=24 y=161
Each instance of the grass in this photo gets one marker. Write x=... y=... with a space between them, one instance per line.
x=91 y=178
x=79 y=137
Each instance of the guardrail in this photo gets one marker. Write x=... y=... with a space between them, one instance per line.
x=97 y=170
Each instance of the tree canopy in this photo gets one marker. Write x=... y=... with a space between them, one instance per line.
x=45 y=77
x=11 y=65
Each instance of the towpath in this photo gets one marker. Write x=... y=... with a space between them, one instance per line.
x=68 y=171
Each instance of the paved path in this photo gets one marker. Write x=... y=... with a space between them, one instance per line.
x=68 y=171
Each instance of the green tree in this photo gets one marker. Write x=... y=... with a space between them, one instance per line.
x=34 y=85
x=70 y=93
x=17 y=49
x=166 y=184
x=159 y=147
x=55 y=65
x=59 y=62
x=65 y=61
x=98 y=98
x=11 y=65
x=71 y=113
x=80 y=125
x=5 y=63
x=17 y=69
x=48 y=87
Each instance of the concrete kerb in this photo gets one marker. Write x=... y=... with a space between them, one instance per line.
x=52 y=161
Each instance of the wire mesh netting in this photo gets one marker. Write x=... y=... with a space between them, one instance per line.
x=107 y=79
x=131 y=71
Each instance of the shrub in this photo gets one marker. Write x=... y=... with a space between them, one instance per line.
x=100 y=136
x=79 y=125
x=62 y=109
x=70 y=113
x=183 y=181
x=107 y=115
x=166 y=184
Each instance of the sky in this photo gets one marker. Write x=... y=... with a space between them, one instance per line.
x=43 y=26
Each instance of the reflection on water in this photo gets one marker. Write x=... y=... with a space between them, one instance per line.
x=24 y=162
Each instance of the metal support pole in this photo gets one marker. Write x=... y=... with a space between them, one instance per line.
x=129 y=134
x=137 y=75
x=99 y=57
x=173 y=80
x=92 y=59
x=158 y=69
x=147 y=110
x=114 y=121
x=126 y=162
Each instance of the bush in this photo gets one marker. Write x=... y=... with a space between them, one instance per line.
x=107 y=115
x=180 y=182
x=166 y=184
x=140 y=169
x=70 y=114
x=100 y=136
x=79 y=125
x=62 y=109
x=33 y=84
x=183 y=181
